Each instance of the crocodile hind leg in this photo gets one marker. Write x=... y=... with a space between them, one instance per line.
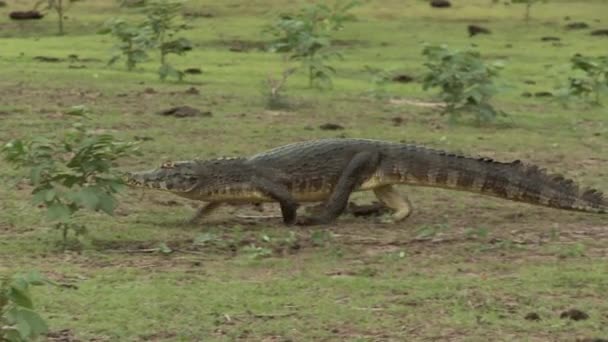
x=204 y=211
x=393 y=199
x=361 y=166
x=281 y=194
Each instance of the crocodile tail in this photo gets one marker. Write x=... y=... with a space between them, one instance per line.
x=514 y=181
x=529 y=183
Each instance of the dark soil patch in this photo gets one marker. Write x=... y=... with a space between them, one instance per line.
x=476 y=29
x=397 y=121
x=574 y=314
x=184 y=112
x=440 y=3
x=198 y=14
x=532 y=316
x=402 y=78
x=600 y=32
x=550 y=39
x=577 y=25
x=65 y=335
x=47 y=59
x=192 y=91
x=25 y=15
x=543 y=94
x=365 y=210
x=331 y=127
x=193 y=71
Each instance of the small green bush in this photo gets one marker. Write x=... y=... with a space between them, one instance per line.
x=465 y=81
x=589 y=82
x=71 y=173
x=134 y=41
x=163 y=18
x=306 y=37
x=18 y=320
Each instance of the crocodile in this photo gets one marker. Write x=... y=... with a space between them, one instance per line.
x=329 y=170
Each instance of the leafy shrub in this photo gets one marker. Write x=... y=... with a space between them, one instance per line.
x=590 y=82
x=306 y=37
x=163 y=18
x=18 y=320
x=465 y=81
x=71 y=173
x=135 y=40
x=157 y=31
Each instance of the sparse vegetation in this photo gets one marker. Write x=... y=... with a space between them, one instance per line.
x=71 y=173
x=240 y=274
x=19 y=322
x=59 y=6
x=591 y=81
x=528 y=4
x=306 y=37
x=275 y=90
x=134 y=41
x=465 y=81
x=163 y=17
x=379 y=78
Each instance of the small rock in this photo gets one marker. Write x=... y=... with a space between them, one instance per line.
x=149 y=91
x=3 y=4
x=331 y=127
x=574 y=314
x=550 y=39
x=25 y=15
x=577 y=25
x=476 y=29
x=183 y=111
x=600 y=32
x=440 y=3
x=402 y=78
x=532 y=316
x=529 y=82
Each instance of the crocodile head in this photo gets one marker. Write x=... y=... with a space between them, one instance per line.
x=177 y=177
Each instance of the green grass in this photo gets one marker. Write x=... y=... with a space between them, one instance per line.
x=474 y=279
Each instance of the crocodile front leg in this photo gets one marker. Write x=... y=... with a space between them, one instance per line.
x=281 y=194
x=361 y=167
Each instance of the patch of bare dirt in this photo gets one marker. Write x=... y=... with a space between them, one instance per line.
x=417 y=103
x=184 y=112
x=65 y=335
